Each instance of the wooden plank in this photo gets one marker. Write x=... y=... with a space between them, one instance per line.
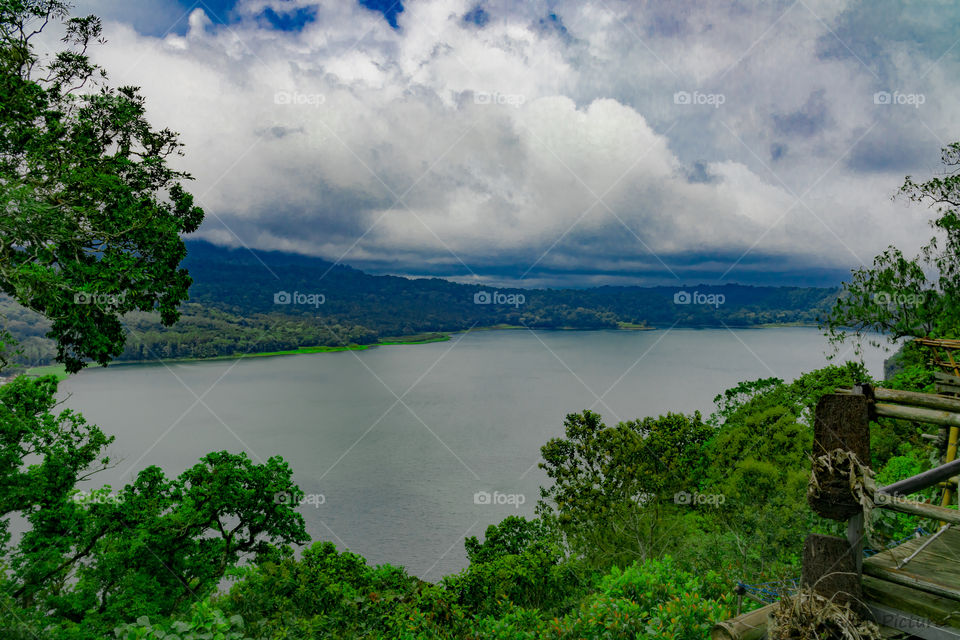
x=936 y=609
x=912 y=580
x=903 y=505
x=947 y=383
x=922 y=480
x=747 y=626
x=917 y=414
x=934 y=570
x=912 y=625
x=928 y=400
x=855 y=536
x=946 y=343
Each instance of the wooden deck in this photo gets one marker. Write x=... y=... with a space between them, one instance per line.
x=927 y=586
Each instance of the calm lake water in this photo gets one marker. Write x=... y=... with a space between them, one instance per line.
x=400 y=445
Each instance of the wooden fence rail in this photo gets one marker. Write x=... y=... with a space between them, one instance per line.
x=919 y=580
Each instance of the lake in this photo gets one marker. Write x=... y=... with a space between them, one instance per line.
x=405 y=450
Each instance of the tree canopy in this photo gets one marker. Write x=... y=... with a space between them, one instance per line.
x=910 y=297
x=92 y=209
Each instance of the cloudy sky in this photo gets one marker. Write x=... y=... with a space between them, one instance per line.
x=552 y=142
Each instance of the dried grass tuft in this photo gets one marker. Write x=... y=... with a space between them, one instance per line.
x=810 y=616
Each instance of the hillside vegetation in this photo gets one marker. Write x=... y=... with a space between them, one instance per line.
x=232 y=308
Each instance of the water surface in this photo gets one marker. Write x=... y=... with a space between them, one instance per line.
x=397 y=441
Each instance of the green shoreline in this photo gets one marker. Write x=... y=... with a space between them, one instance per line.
x=438 y=336
x=59 y=371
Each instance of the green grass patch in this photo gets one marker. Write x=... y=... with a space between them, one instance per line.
x=47 y=370
x=633 y=326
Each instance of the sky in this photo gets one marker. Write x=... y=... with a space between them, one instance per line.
x=552 y=143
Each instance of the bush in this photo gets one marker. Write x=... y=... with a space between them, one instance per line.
x=655 y=600
x=325 y=594
x=205 y=623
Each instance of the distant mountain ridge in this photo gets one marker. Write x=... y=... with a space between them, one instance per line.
x=255 y=302
x=400 y=305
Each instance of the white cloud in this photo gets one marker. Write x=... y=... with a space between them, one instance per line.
x=443 y=142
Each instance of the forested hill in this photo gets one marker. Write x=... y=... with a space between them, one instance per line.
x=243 y=302
x=238 y=281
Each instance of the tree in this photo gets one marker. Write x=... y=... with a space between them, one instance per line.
x=91 y=212
x=90 y=230
x=759 y=462
x=614 y=487
x=909 y=297
x=156 y=545
x=101 y=558
x=519 y=563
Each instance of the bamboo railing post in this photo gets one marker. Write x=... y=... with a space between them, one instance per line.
x=751 y=625
x=951 y=456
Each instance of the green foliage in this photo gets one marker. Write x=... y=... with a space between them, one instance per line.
x=92 y=211
x=732 y=400
x=205 y=622
x=911 y=370
x=656 y=599
x=42 y=456
x=325 y=594
x=163 y=541
x=513 y=536
x=899 y=296
x=328 y=594
x=519 y=564
x=886 y=526
x=613 y=487
x=146 y=550
x=759 y=462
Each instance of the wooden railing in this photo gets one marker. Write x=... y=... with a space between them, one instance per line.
x=945 y=354
x=833 y=567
